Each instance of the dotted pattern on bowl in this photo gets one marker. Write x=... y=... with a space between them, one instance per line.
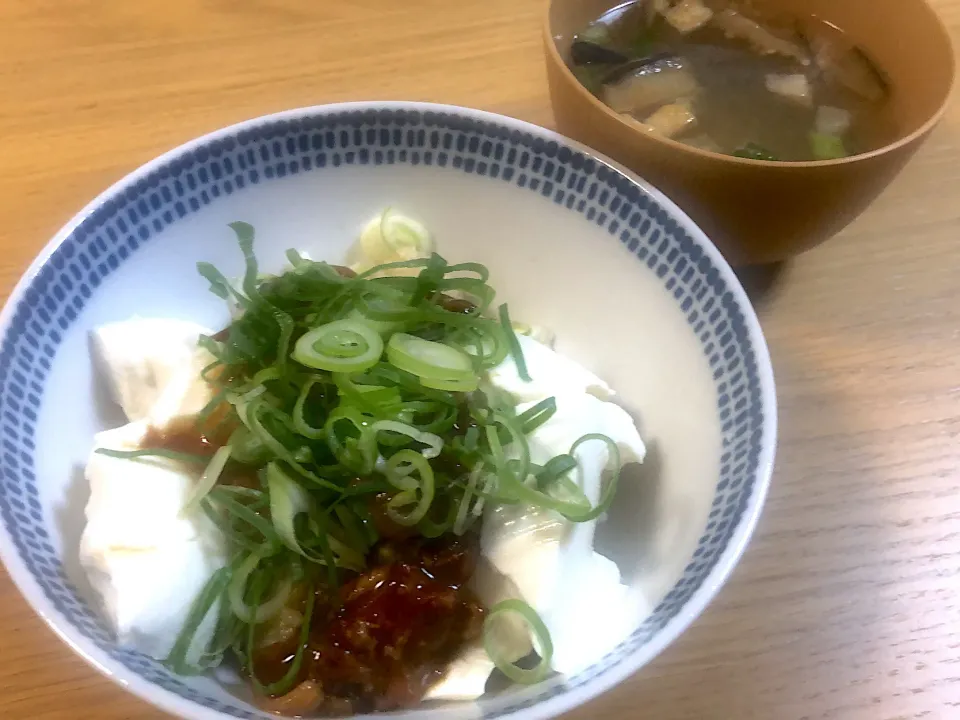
x=280 y=147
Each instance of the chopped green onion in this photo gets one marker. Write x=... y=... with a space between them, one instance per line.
x=352 y=526
x=246 y=233
x=251 y=415
x=287 y=500
x=342 y=346
x=237 y=588
x=237 y=538
x=300 y=423
x=246 y=514
x=207 y=480
x=610 y=489
x=484 y=341
x=362 y=512
x=556 y=467
x=512 y=476
x=464 y=518
x=318 y=525
x=215 y=402
x=368 y=440
x=384 y=327
x=371 y=398
x=295 y=259
x=576 y=509
x=286 y=683
x=478 y=269
x=201 y=607
x=434 y=363
x=339 y=388
x=753 y=151
x=827 y=147
x=452 y=385
x=541 y=636
x=154 y=453
x=247 y=448
x=399 y=469
x=430 y=527
x=400 y=265
x=344 y=555
x=515 y=350
x=347 y=449
x=285 y=322
x=533 y=417
x=520 y=466
x=220 y=286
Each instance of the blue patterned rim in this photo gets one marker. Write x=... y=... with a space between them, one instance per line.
x=50 y=297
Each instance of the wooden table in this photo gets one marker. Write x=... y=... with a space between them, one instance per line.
x=847 y=603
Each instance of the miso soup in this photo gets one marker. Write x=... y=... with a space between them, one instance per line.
x=729 y=77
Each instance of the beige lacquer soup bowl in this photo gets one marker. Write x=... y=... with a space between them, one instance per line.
x=758 y=211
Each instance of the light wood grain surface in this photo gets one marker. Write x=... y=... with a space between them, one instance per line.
x=847 y=603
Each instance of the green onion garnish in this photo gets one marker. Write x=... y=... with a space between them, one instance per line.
x=236 y=590
x=287 y=500
x=827 y=147
x=341 y=346
x=161 y=453
x=415 y=495
x=211 y=593
x=437 y=365
x=340 y=388
x=515 y=350
x=207 y=480
x=286 y=683
x=542 y=641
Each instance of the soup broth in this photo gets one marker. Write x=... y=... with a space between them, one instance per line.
x=723 y=76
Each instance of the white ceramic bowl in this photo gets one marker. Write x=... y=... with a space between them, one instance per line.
x=632 y=288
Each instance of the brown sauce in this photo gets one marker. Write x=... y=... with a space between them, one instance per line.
x=187 y=435
x=455 y=305
x=389 y=633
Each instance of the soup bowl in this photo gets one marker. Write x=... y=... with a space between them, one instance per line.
x=630 y=286
x=758 y=211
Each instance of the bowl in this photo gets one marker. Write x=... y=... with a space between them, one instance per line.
x=756 y=211
x=632 y=288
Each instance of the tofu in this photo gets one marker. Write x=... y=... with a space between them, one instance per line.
x=550 y=560
x=833 y=120
x=466 y=677
x=671 y=120
x=795 y=88
x=687 y=15
x=541 y=334
x=186 y=392
x=539 y=556
x=139 y=356
x=145 y=561
x=551 y=373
